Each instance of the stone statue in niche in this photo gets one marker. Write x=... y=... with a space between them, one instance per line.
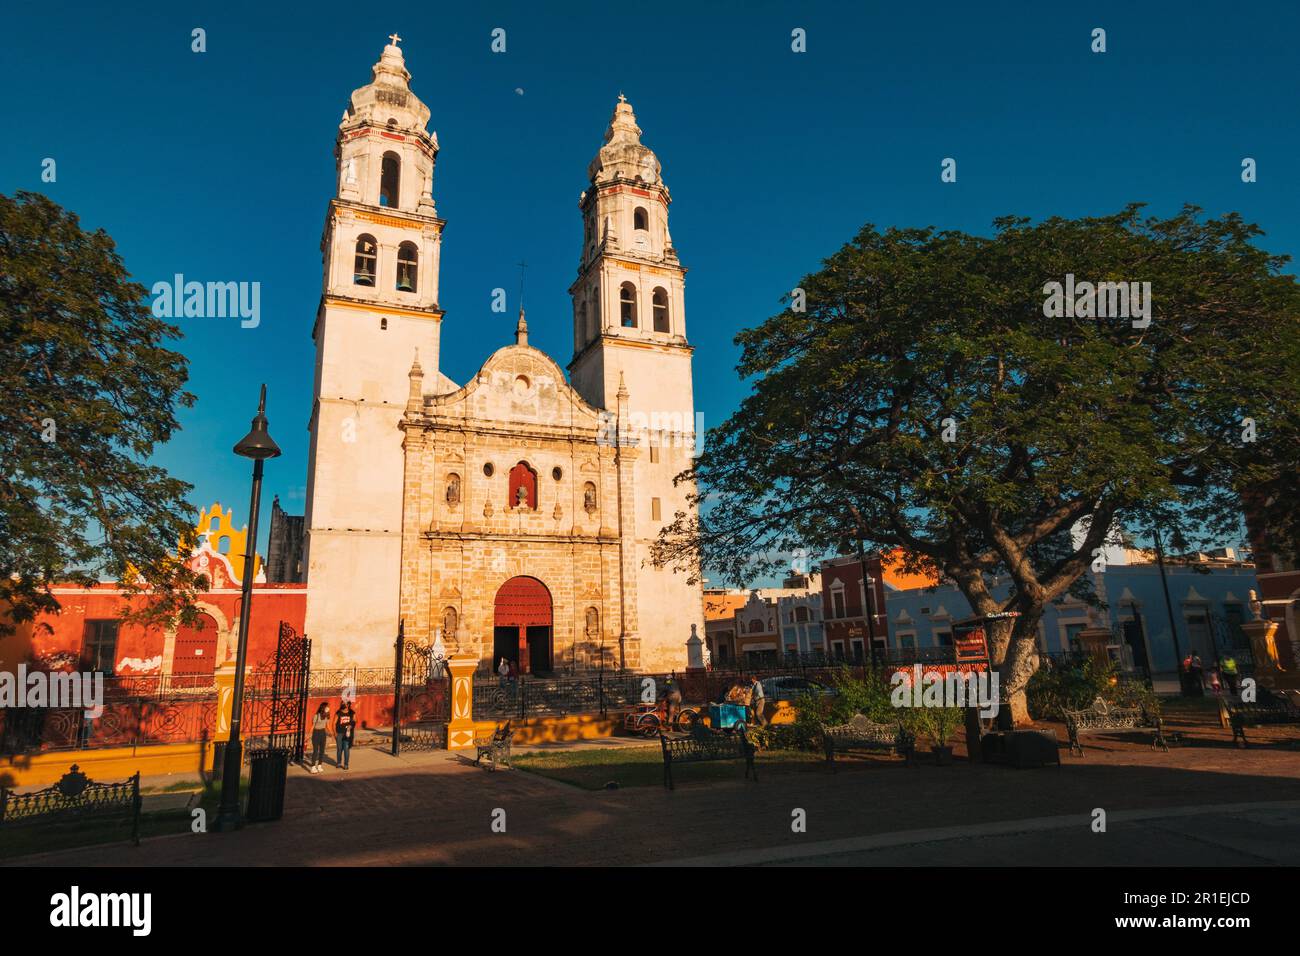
x=453 y=491
x=589 y=499
x=521 y=497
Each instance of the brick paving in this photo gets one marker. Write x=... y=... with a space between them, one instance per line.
x=435 y=809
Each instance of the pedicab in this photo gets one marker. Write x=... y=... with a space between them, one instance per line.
x=648 y=719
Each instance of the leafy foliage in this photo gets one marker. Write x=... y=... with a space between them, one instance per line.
x=1057 y=423
x=90 y=390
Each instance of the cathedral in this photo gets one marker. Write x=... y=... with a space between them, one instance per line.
x=511 y=516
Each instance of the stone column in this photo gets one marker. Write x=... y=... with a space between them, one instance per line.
x=1268 y=670
x=460 y=728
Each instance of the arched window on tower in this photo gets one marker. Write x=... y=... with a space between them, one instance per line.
x=408 y=262
x=523 y=487
x=390 y=180
x=627 y=305
x=661 y=310
x=593 y=318
x=640 y=219
x=363 y=267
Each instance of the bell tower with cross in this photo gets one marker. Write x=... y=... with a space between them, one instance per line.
x=629 y=345
x=381 y=251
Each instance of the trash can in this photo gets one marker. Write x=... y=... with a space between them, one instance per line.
x=268 y=770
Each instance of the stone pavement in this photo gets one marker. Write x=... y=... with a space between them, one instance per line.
x=433 y=808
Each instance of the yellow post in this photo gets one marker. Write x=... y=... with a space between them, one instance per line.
x=460 y=729
x=225 y=681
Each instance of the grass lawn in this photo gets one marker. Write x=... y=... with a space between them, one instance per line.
x=25 y=839
x=644 y=766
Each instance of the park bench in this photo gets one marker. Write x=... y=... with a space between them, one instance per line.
x=1279 y=710
x=74 y=798
x=701 y=748
x=496 y=746
x=1102 y=718
x=861 y=733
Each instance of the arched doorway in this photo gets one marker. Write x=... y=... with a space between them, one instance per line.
x=194 y=658
x=522 y=625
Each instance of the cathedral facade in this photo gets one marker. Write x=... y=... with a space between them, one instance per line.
x=511 y=517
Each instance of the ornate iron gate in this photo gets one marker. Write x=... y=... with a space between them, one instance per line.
x=421 y=697
x=286 y=720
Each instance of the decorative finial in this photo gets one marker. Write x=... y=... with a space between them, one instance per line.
x=521 y=329
x=395 y=38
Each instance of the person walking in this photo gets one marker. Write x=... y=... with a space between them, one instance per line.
x=1197 y=675
x=320 y=725
x=345 y=726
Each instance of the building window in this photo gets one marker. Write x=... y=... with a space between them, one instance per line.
x=627 y=305
x=99 y=648
x=654 y=509
x=390 y=178
x=943 y=638
x=654 y=453
x=488 y=470
x=837 y=602
x=408 y=259
x=640 y=220
x=660 y=307
x=801 y=614
x=383 y=325
x=363 y=268
x=523 y=487
x=756 y=627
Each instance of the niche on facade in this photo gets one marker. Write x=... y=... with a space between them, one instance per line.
x=589 y=498
x=453 y=491
x=522 y=488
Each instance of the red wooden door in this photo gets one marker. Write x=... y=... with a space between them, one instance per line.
x=195 y=656
x=521 y=603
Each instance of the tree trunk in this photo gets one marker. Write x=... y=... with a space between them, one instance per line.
x=1020 y=664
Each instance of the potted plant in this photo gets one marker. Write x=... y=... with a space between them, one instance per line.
x=939 y=724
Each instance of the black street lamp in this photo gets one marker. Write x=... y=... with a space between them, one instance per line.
x=259 y=446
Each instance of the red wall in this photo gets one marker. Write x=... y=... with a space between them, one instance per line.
x=140 y=650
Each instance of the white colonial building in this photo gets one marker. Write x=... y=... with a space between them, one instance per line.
x=513 y=515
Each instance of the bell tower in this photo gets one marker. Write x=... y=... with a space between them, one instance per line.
x=629 y=332
x=379 y=307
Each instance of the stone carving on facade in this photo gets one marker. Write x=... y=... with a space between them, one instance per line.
x=453 y=491
x=589 y=498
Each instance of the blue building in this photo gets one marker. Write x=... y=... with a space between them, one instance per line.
x=1209 y=598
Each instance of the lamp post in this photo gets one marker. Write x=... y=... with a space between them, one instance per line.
x=1169 y=609
x=259 y=446
x=868 y=609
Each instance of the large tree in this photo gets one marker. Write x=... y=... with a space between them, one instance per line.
x=89 y=390
x=931 y=395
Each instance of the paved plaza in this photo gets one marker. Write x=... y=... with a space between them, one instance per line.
x=1203 y=803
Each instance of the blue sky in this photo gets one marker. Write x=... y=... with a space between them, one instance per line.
x=219 y=165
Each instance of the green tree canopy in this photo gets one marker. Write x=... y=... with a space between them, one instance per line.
x=89 y=391
x=930 y=399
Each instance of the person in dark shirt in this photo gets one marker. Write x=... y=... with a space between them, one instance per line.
x=345 y=726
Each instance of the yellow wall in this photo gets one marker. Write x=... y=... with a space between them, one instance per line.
x=109 y=765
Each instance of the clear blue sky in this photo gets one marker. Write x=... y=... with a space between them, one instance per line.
x=219 y=165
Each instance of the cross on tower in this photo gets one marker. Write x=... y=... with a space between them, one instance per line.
x=621 y=97
x=395 y=38
x=522 y=266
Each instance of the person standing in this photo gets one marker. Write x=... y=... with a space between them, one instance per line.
x=503 y=673
x=345 y=726
x=1228 y=669
x=320 y=724
x=756 y=700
